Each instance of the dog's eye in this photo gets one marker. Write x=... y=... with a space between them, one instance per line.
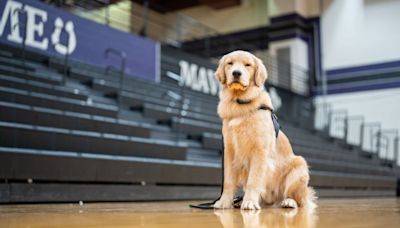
x=230 y=63
x=247 y=64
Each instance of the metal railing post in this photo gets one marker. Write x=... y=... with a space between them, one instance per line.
x=346 y=128
x=16 y=26
x=180 y=110
x=323 y=117
x=207 y=43
x=66 y=60
x=378 y=143
x=362 y=128
x=372 y=136
x=354 y=136
x=66 y=55
x=178 y=31
x=334 y=127
x=143 y=30
x=107 y=13
x=122 y=55
x=385 y=133
x=329 y=124
x=396 y=150
x=384 y=143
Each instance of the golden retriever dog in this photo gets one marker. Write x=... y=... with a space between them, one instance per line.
x=255 y=159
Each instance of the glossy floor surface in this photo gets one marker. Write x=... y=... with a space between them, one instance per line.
x=330 y=213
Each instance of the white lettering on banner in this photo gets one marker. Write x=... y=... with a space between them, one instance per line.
x=197 y=78
x=35 y=26
x=202 y=80
x=9 y=9
x=214 y=83
x=188 y=74
x=55 y=37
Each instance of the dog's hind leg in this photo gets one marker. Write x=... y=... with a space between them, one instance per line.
x=295 y=191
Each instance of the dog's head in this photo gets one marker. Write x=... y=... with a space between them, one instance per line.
x=240 y=70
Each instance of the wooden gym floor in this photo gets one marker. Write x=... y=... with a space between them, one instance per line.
x=377 y=212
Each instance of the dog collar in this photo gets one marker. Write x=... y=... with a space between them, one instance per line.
x=243 y=101
x=262 y=107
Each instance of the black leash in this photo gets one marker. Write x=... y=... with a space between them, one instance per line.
x=237 y=199
x=209 y=205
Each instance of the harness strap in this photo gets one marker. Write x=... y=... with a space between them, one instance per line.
x=274 y=118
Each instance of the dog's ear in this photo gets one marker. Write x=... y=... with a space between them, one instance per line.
x=261 y=74
x=220 y=72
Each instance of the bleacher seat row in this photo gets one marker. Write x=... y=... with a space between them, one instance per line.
x=87 y=140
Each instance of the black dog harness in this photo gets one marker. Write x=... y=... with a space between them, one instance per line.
x=277 y=126
x=238 y=199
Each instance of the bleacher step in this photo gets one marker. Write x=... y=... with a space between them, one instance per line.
x=61 y=139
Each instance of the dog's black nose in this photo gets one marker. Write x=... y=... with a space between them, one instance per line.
x=236 y=74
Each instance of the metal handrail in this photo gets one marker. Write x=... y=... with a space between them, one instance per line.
x=381 y=144
x=107 y=13
x=395 y=133
x=180 y=110
x=396 y=149
x=332 y=120
x=66 y=56
x=22 y=11
x=143 y=30
x=377 y=135
x=363 y=127
x=122 y=55
x=349 y=120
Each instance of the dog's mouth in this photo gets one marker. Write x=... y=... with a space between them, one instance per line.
x=237 y=86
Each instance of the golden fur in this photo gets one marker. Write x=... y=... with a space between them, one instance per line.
x=263 y=165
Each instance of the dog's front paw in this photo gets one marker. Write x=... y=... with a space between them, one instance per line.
x=289 y=203
x=250 y=205
x=223 y=204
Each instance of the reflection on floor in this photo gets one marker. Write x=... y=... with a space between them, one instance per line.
x=330 y=213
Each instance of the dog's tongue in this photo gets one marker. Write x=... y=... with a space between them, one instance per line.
x=236 y=86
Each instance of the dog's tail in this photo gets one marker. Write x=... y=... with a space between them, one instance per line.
x=311 y=202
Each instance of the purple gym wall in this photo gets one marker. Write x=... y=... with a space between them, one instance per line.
x=88 y=40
